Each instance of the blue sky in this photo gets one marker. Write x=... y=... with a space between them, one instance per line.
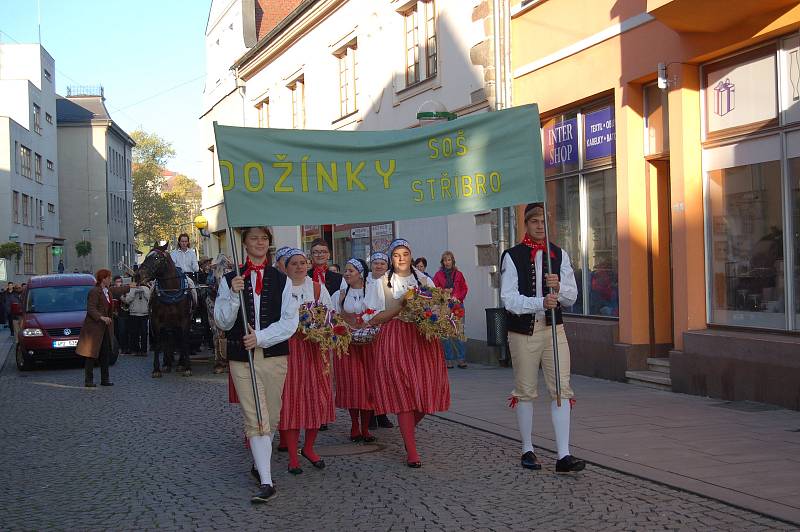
x=148 y=55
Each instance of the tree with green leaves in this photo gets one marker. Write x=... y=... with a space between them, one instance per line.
x=152 y=213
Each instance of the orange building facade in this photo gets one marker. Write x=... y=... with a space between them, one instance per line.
x=671 y=138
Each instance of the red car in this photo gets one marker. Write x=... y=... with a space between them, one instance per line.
x=52 y=314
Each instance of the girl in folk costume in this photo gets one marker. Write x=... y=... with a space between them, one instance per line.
x=273 y=318
x=279 y=255
x=307 y=395
x=354 y=373
x=410 y=372
x=379 y=264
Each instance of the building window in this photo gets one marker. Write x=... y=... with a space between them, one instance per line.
x=49 y=118
x=420 y=41
x=50 y=165
x=26 y=209
x=37 y=119
x=298 y=103
x=262 y=109
x=38 y=167
x=25 y=166
x=51 y=208
x=752 y=188
x=40 y=213
x=348 y=78
x=47 y=75
x=27 y=258
x=582 y=196
x=15 y=206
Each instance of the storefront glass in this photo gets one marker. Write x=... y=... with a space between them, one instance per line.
x=601 y=195
x=794 y=171
x=579 y=148
x=563 y=196
x=747 y=245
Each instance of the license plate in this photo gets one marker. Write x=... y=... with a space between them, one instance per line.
x=65 y=343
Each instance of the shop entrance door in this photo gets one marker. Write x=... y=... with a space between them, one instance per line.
x=659 y=257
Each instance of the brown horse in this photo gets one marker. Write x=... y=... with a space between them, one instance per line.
x=170 y=310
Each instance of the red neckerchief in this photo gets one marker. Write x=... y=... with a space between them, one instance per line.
x=258 y=268
x=535 y=246
x=319 y=273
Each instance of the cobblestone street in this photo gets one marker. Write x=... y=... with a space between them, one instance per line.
x=168 y=454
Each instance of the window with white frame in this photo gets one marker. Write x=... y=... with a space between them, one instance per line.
x=37 y=119
x=25 y=163
x=297 y=88
x=51 y=208
x=262 y=109
x=50 y=165
x=420 y=44
x=48 y=118
x=38 y=167
x=15 y=207
x=752 y=186
x=348 y=79
x=47 y=75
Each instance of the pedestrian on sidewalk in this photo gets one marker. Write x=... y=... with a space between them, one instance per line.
x=355 y=372
x=94 y=343
x=120 y=316
x=421 y=264
x=138 y=301
x=528 y=301
x=273 y=317
x=449 y=276
x=410 y=372
x=3 y=305
x=12 y=296
x=307 y=401
x=378 y=264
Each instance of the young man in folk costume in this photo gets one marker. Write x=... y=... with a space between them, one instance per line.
x=320 y=253
x=272 y=313
x=527 y=301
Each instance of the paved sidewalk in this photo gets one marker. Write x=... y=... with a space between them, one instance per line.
x=745 y=454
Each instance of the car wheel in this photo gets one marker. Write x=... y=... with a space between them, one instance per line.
x=24 y=361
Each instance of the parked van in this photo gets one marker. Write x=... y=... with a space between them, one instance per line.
x=52 y=312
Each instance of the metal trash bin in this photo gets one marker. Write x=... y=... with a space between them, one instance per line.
x=496 y=331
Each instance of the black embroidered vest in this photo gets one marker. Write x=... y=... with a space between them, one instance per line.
x=271 y=299
x=333 y=280
x=526 y=272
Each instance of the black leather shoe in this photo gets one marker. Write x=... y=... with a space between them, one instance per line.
x=569 y=464
x=106 y=384
x=319 y=464
x=256 y=474
x=265 y=493
x=323 y=427
x=356 y=439
x=384 y=423
x=295 y=470
x=90 y=385
x=414 y=465
x=369 y=438
x=529 y=461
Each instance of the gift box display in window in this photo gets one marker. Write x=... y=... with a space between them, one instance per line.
x=724 y=97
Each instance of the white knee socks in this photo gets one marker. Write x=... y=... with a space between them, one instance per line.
x=560 y=415
x=524 y=410
x=261 y=447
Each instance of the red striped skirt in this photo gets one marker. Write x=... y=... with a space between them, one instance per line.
x=410 y=372
x=354 y=378
x=307 y=400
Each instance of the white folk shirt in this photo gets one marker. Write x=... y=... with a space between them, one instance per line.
x=304 y=293
x=185 y=260
x=354 y=302
x=226 y=310
x=375 y=298
x=516 y=303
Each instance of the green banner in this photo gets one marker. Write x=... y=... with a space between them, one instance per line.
x=296 y=177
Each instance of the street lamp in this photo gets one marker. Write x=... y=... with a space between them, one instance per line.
x=433 y=112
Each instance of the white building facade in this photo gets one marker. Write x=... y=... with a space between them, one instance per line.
x=360 y=65
x=28 y=160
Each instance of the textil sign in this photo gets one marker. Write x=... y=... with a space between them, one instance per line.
x=601 y=134
x=296 y=177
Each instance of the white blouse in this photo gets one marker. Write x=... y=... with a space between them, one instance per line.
x=305 y=293
x=354 y=303
x=376 y=299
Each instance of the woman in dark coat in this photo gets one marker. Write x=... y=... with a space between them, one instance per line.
x=98 y=329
